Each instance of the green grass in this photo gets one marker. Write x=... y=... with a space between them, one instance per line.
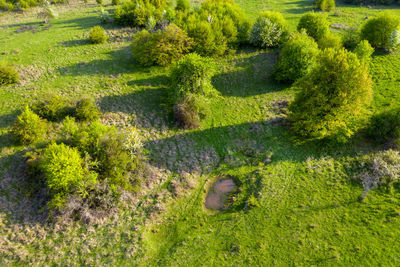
x=309 y=211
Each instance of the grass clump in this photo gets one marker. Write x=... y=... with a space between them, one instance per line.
x=86 y=110
x=162 y=47
x=316 y=25
x=29 y=128
x=378 y=30
x=297 y=58
x=8 y=74
x=97 y=35
x=270 y=30
x=332 y=97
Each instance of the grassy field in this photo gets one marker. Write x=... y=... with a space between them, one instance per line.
x=308 y=210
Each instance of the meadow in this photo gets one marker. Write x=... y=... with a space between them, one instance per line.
x=306 y=210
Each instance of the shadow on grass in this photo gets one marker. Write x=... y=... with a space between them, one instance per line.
x=252 y=77
x=73 y=43
x=301 y=7
x=7 y=120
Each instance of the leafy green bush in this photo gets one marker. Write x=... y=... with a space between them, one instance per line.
x=297 y=58
x=97 y=35
x=115 y=2
x=325 y=5
x=136 y=13
x=8 y=74
x=29 y=128
x=330 y=40
x=270 y=30
x=51 y=107
x=364 y=51
x=64 y=173
x=162 y=47
x=351 y=38
x=316 y=25
x=86 y=110
x=100 y=2
x=377 y=30
x=192 y=75
x=332 y=98
x=385 y=126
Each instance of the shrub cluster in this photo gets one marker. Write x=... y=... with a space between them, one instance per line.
x=97 y=35
x=270 y=30
x=325 y=5
x=316 y=25
x=330 y=40
x=8 y=74
x=161 y=47
x=29 y=128
x=190 y=86
x=297 y=58
x=378 y=30
x=332 y=97
x=136 y=13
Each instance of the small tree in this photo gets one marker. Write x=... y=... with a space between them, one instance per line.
x=297 y=58
x=270 y=30
x=332 y=97
x=315 y=25
x=182 y=5
x=8 y=74
x=326 y=5
x=364 y=51
x=29 y=128
x=47 y=12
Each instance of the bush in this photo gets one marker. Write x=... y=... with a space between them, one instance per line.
x=97 y=35
x=115 y=2
x=315 y=25
x=8 y=74
x=385 y=126
x=29 y=128
x=182 y=5
x=100 y=2
x=192 y=75
x=86 y=110
x=136 y=13
x=377 y=30
x=364 y=51
x=64 y=173
x=332 y=97
x=270 y=30
x=51 y=107
x=162 y=47
x=297 y=58
x=104 y=16
x=325 y=5
x=351 y=38
x=330 y=40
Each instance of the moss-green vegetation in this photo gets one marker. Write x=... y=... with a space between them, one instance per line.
x=295 y=205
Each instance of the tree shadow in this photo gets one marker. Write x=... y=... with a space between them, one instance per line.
x=73 y=43
x=7 y=120
x=119 y=62
x=252 y=77
x=146 y=103
x=302 y=6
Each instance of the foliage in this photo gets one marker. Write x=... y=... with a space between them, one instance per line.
x=330 y=40
x=47 y=12
x=385 y=126
x=115 y=2
x=364 y=51
x=379 y=169
x=316 y=25
x=136 y=13
x=104 y=16
x=161 y=47
x=270 y=30
x=297 y=58
x=331 y=97
x=51 y=107
x=190 y=110
x=182 y=5
x=151 y=23
x=65 y=173
x=325 y=5
x=394 y=41
x=8 y=74
x=97 y=35
x=351 y=38
x=86 y=110
x=29 y=128
x=377 y=30
x=99 y=2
